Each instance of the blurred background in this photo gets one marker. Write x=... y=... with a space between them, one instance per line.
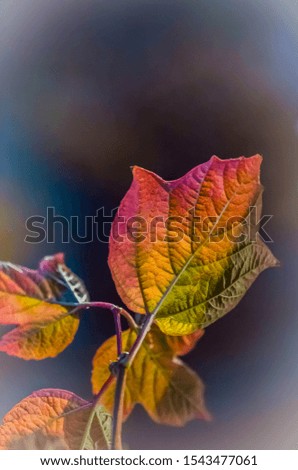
x=88 y=88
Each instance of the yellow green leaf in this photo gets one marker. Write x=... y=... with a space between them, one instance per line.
x=185 y=250
x=170 y=391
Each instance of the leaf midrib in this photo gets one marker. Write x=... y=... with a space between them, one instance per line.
x=175 y=280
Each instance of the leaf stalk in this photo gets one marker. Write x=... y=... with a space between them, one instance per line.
x=124 y=362
x=118 y=408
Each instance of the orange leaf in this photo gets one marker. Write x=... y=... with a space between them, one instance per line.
x=170 y=391
x=36 y=300
x=183 y=250
x=54 y=419
x=182 y=345
x=40 y=342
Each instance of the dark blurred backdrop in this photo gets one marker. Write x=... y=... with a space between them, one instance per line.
x=90 y=87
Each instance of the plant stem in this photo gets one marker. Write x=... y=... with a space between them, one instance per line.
x=118 y=408
x=106 y=305
x=123 y=363
x=139 y=341
x=103 y=388
x=103 y=305
x=117 y=321
x=114 y=308
x=128 y=318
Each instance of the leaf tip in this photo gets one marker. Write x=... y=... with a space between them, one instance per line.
x=49 y=263
x=257 y=158
x=276 y=263
x=205 y=415
x=138 y=170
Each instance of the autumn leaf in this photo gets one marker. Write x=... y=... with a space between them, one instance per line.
x=36 y=301
x=183 y=250
x=39 y=342
x=170 y=391
x=55 y=419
